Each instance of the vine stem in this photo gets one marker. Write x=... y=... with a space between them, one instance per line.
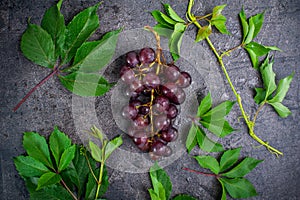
x=36 y=87
x=68 y=189
x=249 y=123
x=198 y=172
x=99 y=182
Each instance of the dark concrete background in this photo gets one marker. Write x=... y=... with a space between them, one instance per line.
x=275 y=178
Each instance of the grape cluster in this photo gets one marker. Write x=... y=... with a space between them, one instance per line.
x=154 y=90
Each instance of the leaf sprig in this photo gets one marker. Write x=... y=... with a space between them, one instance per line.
x=162 y=186
x=213 y=119
x=65 y=50
x=62 y=170
x=230 y=173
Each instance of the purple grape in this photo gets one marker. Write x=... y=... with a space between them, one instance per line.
x=135 y=103
x=141 y=121
x=180 y=96
x=147 y=55
x=131 y=94
x=151 y=80
x=124 y=69
x=161 y=122
x=161 y=104
x=128 y=76
x=160 y=149
x=132 y=58
x=172 y=73
x=142 y=141
x=137 y=86
x=172 y=111
x=144 y=110
x=169 y=90
x=129 y=112
x=184 y=80
x=169 y=135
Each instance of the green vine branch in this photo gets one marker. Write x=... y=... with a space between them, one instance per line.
x=249 y=123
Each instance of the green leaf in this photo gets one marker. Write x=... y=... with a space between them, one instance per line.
x=54 y=23
x=282 y=89
x=36 y=147
x=184 y=197
x=95 y=151
x=49 y=178
x=258 y=49
x=163 y=30
x=207 y=144
x=223 y=197
x=157 y=16
x=282 y=110
x=93 y=56
x=91 y=185
x=229 y=158
x=253 y=57
x=203 y=33
x=205 y=105
x=52 y=192
x=208 y=162
x=169 y=10
x=258 y=21
x=78 y=170
x=112 y=145
x=260 y=95
x=268 y=77
x=153 y=195
x=85 y=84
x=176 y=40
x=79 y=30
x=219 y=20
x=191 y=139
x=220 y=23
x=66 y=158
x=58 y=143
x=239 y=187
x=29 y=167
x=157 y=173
x=244 y=23
x=243 y=168
x=37 y=46
x=218 y=112
x=220 y=128
x=250 y=33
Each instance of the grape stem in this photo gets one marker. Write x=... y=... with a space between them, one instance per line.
x=55 y=71
x=249 y=123
x=198 y=172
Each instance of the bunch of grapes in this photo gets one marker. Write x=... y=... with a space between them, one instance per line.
x=155 y=90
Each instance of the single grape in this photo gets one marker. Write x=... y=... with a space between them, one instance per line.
x=129 y=112
x=161 y=122
x=180 y=96
x=136 y=103
x=137 y=86
x=128 y=76
x=161 y=104
x=172 y=111
x=146 y=55
x=132 y=94
x=169 y=90
x=132 y=58
x=124 y=69
x=142 y=141
x=144 y=110
x=169 y=135
x=151 y=80
x=184 y=80
x=141 y=121
x=160 y=149
x=172 y=73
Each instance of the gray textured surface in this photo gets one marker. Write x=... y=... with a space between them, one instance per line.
x=52 y=104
